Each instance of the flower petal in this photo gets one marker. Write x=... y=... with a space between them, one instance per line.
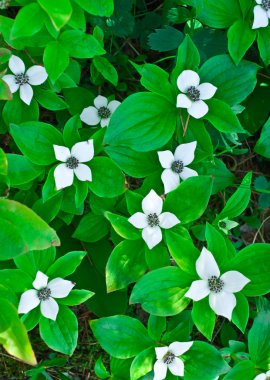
x=262 y=376
x=60 y=288
x=100 y=101
x=10 y=81
x=166 y=158
x=152 y=203
x=105 y=122
x=26 y=93
x=160 y=370
x=40 y=281
x=28 y=301
x=177 y=367
x=234 y=281
x=16 y=65
x=222 y=303
x=207 y=90
x=168 y=220
x=62 y=153
x=260 y=17
x=198 y=109
x=206 y=265
x=179 y=348
x=138 y=220
x=185 y=152
x=83 y=151
x=161 y=352
x=63 y=176
x=199 y=289
x=37 y=75
x=170 y=180
x=90 y=116
x=258 y=1
x=83 y=173
x=152 y=236
x=183 y=101
x=187 y=79
x=187 y=173
x=113 y=105
x=49 y=308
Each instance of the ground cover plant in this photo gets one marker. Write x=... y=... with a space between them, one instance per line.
x=134 y=189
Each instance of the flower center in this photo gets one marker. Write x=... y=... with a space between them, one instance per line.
x=193 y=93
x=72 y=162
x=222 y=224
x=152 y=220
x=265 y=5
x=104 y=112
x=177 y=167
x=44 y=294
x=215 y=284
x=21 y=79
x=168 y=358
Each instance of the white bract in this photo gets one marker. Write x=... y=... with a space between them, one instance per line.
x=22 y=80
x=101 y=113
x=263 y=376
x=220 y=289
x=195 y=93
x=43 y=294
x=151 y=219
x=261 y=14
x=72 y=163
x=175 y=165
x=167 y=357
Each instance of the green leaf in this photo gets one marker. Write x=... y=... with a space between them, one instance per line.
x=36 y=140
x=3 y=163
x=217 y=244
x=121 y=336
x=13 y=335
x=240 y=38
x=76 y=297
x=21 y=170
x=15 y=279
x=106 y=69
x=142 y=364
x=263 y=44
x=126 y=265
x=162 y=291
x=100 y=369
x=156 y=326
x=108 y=179
x=122 y=226
x=35 y=261
x=60 y=335
x=240 y=314
x=58 y=11
x=71 y=134
x=86 y=45
x=49 y=100
x=16 y=111
x=66 y=265
x=29 y=20
x=165 y=39
x=262 y=146
x=234 y=83
x=56 y=59
x=259 y=340
x=222 y=117
x=102 y=8
x=91 y=228
x=204 y=317
x=5 y=93
x=242 y=370
x=189 y=205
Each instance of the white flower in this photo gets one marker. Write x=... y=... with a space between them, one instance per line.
x=226 y=225
x=189 y=83
x=263 y=376
x=175 y=165
x=151 y=219
x=220 y=289
x=101 y=113
x=43 y=294
x=22 y=80
x=167 y=358
x=261 y=14
x=64 y=173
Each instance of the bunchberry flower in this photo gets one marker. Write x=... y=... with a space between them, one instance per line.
x=43 y=294
x=261 y=14
x=151 y=220
x=101 y=113
x=73 y=163
x=175 y=165
x=22 y=80
x=195 y=93
x=167 y=357
x=225 y=225
x=263 y=376
x=220 y=289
